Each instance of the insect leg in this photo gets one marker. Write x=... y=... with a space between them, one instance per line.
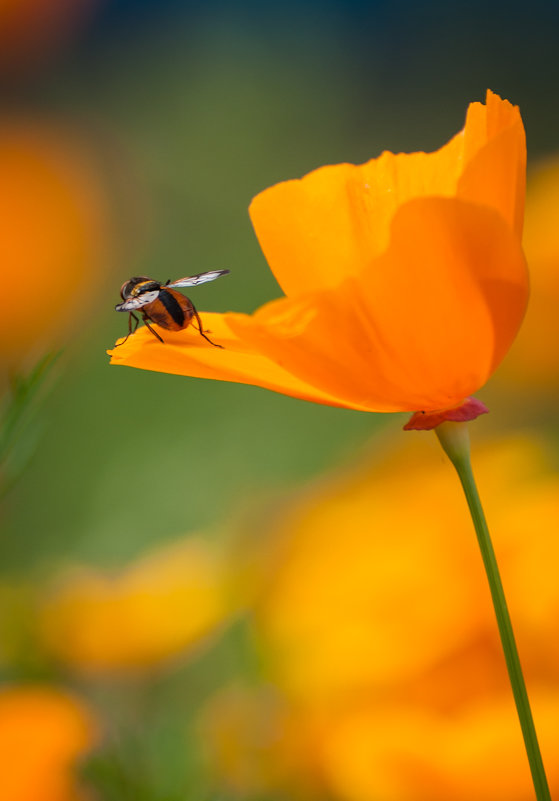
x=136 y=319
x=155 y=334
x=200 y=329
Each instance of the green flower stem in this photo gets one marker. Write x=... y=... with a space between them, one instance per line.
x=454 y=438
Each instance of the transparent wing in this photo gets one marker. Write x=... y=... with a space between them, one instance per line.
x=136 y=303
x=201 y=278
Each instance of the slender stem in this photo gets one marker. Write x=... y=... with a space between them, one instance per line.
x=455 y=441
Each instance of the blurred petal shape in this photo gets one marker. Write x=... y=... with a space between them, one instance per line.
x=366 y=607
x=136 y=619
x=53 y=236
x=43 y=732
x=377 y=627
x=534 y=358
x=397 y=752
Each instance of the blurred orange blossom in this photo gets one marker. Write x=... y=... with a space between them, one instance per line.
x=140 y=617
x=53 y=236
x=534 y=357
x=404 y=277
x=376 y=626
x=43 y=732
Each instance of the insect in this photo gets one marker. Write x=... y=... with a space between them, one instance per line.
x=162 y=304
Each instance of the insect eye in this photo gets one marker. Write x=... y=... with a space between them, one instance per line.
x=128 y=289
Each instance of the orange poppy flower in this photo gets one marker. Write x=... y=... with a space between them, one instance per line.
x=404 y=278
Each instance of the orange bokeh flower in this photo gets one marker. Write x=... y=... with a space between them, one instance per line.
x=53 y=235
x=43 y=732
x=404 y=277
x=377 y=627
x=534 y=358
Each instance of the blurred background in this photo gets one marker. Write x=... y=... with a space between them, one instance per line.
x=204 y=591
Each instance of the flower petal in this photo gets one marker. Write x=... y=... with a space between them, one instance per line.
x=448 y=296
x=186 y=353
x=329 y=225
x=495 y=173
x=422 y=328
x=318 y=230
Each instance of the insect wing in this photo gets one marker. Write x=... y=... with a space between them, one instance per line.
x=136 y=303
x=201 y=278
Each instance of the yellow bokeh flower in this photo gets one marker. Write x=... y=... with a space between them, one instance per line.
x=135 y=619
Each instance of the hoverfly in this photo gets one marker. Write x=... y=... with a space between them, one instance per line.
x=161 y=304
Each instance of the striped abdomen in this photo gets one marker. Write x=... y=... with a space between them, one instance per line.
x=171 y=310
